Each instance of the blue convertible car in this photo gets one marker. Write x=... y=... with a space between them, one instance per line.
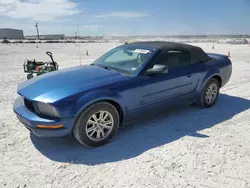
x=92 y=101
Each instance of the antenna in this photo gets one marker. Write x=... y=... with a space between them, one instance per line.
x=79 y=46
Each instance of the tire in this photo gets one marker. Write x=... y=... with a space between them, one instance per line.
x=29 y=76
x=86 y=122
x=204 y=100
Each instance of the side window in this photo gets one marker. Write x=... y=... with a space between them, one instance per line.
x=161 y=59
x=194 y=59
x=173 y=59
x=183 y=58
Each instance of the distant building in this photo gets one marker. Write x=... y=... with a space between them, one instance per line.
x=46 y=37
x=11 y=34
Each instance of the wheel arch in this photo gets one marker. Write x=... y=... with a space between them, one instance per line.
x=210 y=75
x=82 y=105
x=218 y=78
x=118 y=108
x=107 y=100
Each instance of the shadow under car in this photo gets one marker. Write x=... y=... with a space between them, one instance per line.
x=144 y=134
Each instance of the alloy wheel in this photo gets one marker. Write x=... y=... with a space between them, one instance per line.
x=211 y=93
x=99 y=125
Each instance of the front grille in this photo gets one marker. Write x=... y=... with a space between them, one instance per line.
x=29 y=105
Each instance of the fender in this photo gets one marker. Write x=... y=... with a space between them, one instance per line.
x=208 y=76
x=93 y=97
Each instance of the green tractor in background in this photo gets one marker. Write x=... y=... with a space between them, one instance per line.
x=38 y=68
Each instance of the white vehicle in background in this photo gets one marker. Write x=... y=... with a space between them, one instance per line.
x=238 y=41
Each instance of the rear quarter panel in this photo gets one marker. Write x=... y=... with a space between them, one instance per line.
x=220 y=66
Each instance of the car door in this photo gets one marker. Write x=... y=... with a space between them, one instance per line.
x=177 y=85
x=195 y=71
x=176 y=82
x=164 y=88
x=168 y=85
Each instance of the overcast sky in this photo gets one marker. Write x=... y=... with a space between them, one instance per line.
x=127 y=17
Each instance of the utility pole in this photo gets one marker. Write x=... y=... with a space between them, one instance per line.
x=79 y=45
x=37 y=31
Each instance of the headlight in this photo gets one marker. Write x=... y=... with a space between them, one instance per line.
x=47 y=110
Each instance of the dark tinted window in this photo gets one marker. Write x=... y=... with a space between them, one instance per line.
x=194 y=59
x=173 y=59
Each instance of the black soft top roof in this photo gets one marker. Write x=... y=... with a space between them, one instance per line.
x=194 y=50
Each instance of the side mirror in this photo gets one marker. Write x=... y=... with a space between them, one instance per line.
x=157 y=69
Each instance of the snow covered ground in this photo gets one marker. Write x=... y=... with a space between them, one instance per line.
x=185 y=147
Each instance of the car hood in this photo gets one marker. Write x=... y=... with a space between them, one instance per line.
x=54 y=86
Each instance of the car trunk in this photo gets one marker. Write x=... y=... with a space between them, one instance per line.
x=217 y=56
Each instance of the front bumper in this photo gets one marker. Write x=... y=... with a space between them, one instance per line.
x=30 y=120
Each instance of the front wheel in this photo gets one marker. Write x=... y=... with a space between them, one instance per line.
x=96 y=125
x=29 y=76
x=210 y=93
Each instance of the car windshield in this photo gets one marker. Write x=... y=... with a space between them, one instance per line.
x=124 y=59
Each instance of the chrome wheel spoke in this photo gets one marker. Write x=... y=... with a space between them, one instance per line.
x=102 y=132
x=106 y=126
x=95 y=118
x=210 y=99
x=214 y=92
x=98 y=136
x=93 y=133
x=91 y=129
x=92 y=122
x=105 y=116
x=107 y=122
x=101 y=115
x=207 y=99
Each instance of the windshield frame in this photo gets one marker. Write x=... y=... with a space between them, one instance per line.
x=126 y=47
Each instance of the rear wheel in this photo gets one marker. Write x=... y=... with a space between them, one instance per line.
x=210 y=93
x=96 y=125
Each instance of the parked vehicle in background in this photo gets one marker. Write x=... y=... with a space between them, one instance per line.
x=92 y=101
x=238 y=41
x=5 y=41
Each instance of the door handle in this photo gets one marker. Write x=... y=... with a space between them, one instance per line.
x=189 y=75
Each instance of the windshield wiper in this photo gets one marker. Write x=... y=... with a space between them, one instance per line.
x=103 y=66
